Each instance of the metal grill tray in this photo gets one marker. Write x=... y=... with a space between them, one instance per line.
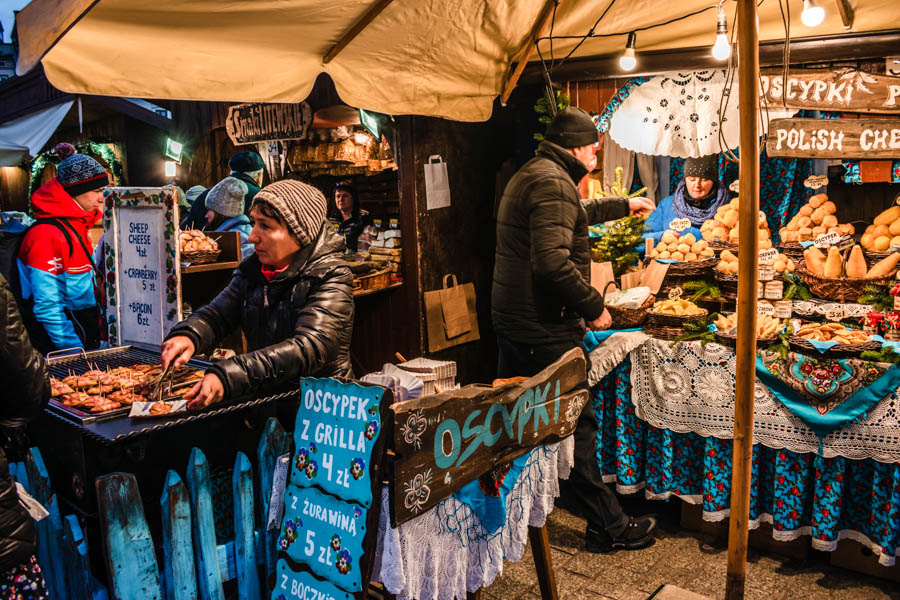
x=120 y=356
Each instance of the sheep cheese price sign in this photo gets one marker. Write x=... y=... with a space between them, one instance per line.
x=333 y=499
x=141 y=261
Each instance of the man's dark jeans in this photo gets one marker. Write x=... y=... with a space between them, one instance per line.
x=598 y=502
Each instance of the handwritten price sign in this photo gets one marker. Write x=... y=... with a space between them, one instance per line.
x=679 y=225
x=827 y=240
x=767 y=257
x=815 y=182
x=835 y=312
x=765 y=309
x=675 y=293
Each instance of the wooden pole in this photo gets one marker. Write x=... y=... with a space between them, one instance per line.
x=748 y=276
x=354 y=31
x=540 y=28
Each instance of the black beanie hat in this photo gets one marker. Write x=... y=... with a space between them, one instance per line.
x=246 y=162
x=705 y=167
x=572 y=128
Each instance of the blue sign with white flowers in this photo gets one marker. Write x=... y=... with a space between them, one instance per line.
x=291 y=585
x=330 y=524
x=324 y=533
x=335 y=432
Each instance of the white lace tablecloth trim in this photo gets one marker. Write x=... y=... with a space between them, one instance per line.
x=611 y=352
x=424 y=559
x=690 y=388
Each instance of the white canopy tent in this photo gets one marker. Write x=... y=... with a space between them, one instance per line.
x=447 y=58
x=26 y=135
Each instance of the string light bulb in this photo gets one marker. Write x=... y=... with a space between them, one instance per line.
x=813 y=14
x=721 y=50
x=627 y=61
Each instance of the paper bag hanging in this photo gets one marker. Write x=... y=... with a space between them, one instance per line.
x=450 y=315
x=437 y=184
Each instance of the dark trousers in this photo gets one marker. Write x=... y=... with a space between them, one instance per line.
x=598 y=503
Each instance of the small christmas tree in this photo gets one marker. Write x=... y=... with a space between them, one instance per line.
x=618 y=242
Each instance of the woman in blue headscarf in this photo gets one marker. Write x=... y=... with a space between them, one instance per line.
x=697 y=198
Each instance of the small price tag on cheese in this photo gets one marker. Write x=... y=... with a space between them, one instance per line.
x=835 y=312
x=675 y=293
x=765 y=309
x=767 y=257
x=735 y=186
x=679 y=225
x=827 y=239
x=815 y=182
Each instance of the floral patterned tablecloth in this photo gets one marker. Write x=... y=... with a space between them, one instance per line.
x=800 y=493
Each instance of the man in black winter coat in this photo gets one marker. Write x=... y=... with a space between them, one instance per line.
x=26 y=390
x=542 y=297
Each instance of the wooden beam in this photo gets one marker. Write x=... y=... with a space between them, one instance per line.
x=846 y=12
x=540 y=28
x=745 y=376
x=354 y=31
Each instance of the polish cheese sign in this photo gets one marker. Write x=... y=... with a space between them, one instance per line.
x=844 y=90
x=834 y=138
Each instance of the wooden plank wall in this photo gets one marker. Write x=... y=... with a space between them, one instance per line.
x=459 y=239
x=13 y=189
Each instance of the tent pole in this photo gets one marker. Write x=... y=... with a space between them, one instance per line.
x=748 y=276
x=354 y=31
x=540 y=28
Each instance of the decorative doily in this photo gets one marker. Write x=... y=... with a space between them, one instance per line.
x=690 y=388
x=677 y=114
x=808 y=308
x=445 y=552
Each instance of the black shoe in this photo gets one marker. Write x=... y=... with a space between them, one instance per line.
x=638 y=534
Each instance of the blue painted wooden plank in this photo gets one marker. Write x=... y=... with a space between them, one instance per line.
x=130 y=559
x=179 y=576
x=225 y=554
x=49 y=529
x=273 y=443
x=203 y=527
x=78 y=578
x=244 y=547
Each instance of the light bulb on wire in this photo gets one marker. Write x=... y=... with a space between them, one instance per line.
x=813 y=14
x=721 y=50
x=627 y=61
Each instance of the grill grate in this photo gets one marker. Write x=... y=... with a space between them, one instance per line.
x=76 y=364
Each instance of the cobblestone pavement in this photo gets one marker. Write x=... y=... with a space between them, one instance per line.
x=676 y=558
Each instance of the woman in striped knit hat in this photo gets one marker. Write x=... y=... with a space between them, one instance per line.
x=293 y=299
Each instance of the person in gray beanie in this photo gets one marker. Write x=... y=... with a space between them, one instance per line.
x=293 y=299
x=225 y=211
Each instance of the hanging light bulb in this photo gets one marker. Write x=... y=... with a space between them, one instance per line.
x=813 y=14
x=721 y=50
x=627 y=61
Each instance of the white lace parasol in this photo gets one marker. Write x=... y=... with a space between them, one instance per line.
x=677 y=114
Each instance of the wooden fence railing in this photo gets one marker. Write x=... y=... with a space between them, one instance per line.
x=193 y=564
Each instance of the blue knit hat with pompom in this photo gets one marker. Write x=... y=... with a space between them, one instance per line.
x=79 y=173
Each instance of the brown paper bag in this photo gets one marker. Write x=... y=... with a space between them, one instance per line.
x=601 y=274
x=450 y=315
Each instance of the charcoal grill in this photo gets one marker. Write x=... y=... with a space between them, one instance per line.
x=120 y=356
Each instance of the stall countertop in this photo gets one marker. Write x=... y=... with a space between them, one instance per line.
x=127 y=428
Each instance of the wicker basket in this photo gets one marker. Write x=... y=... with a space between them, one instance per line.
x=659 y=320
x=718 y=245
x=728 y=284
x=804 y=346
x=628 y=318
x=730 y=340
x=839 y=289
x=691 y=270
x=792 y=250
x=200 y=257
x=664 y=333
x=373 y=281
x=874 y=257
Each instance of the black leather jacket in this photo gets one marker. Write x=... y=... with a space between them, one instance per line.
x=542 y=274
x=297 y=325
x=26 y=390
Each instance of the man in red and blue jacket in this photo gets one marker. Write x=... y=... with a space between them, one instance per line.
x=55 y=268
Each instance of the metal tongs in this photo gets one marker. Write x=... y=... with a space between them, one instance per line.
x=157 y=394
